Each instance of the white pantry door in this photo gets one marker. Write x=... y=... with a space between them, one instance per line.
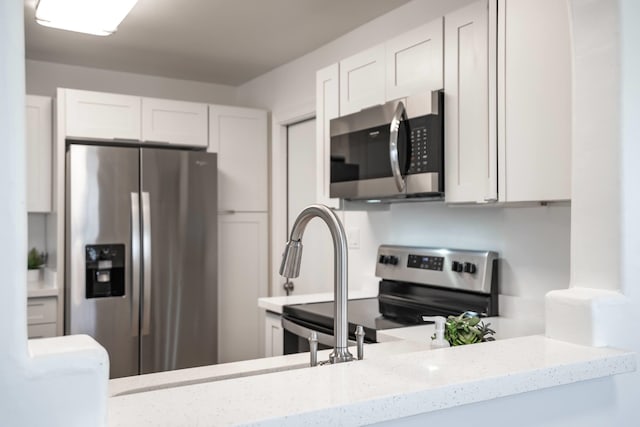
x=316 y=271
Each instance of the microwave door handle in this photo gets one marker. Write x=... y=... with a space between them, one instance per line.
x=399 y=115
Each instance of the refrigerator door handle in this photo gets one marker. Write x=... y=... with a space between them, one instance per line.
x=146 y=258
x=135 y=263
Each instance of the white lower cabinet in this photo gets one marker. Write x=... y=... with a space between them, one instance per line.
x=42 y=314
x=242 y=279
x=274 y=335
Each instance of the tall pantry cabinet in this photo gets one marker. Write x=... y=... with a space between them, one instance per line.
x=239 y=136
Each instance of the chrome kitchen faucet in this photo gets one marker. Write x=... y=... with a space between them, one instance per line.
x=290 y=268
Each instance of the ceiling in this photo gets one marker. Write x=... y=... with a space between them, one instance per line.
x=218 y=41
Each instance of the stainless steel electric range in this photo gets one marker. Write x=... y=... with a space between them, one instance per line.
x=415 y=281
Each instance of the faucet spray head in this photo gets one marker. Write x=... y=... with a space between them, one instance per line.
x=291 y=257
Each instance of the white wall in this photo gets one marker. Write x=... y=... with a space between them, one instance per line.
x=54 y=381
x=44 y=77
x=533 y=242
x=293 y=84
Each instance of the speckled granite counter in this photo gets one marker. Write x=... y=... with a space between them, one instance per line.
x=376 y=389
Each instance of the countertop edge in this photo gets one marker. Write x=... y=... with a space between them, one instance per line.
x=395 y=387
x=425 y=401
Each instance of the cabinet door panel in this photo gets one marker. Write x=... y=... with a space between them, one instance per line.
x=174 y=122
x=41 y=310
x=39 y=153
x=362 y=80
x=414 y=61
x=327 y=108
x=274 y=335
x=239 y=136
x=45 y=330
x=102 y=115
x=243 y=278
x=537 y=100
x=470 y=144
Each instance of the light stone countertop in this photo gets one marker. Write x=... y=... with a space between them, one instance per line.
x=160 y=380
x=275 y=304
x=43 y=288
x=376 y=389
x=505 y=328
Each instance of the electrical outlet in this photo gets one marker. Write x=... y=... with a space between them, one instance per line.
x=353 y=238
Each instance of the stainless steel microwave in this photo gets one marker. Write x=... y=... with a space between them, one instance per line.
x=390 y=151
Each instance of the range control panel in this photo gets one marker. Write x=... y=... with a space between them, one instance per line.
x=452 y=268
x=425 y=262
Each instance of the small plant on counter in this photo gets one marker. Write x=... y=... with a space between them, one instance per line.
x=467 y=329
x=35 y=259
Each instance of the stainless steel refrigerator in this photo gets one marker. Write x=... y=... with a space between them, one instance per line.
x=141 y=255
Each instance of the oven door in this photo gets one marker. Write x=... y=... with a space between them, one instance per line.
x=297 y=332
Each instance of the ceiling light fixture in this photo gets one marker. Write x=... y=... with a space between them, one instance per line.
x=98 y=17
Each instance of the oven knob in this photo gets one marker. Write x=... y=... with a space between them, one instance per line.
x=456 y=266
x=393 y=260
x=469 y=267
x=381 y=259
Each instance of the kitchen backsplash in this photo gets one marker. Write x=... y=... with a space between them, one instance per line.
x=533 y=242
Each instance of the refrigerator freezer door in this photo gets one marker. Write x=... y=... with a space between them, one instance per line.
x=102 y=190
x=179 y=207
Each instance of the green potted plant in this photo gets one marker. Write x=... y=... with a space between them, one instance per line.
x=467 y=328
x=35 y=262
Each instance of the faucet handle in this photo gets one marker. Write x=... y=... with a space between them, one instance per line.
x=313 y=348
x=360 y=341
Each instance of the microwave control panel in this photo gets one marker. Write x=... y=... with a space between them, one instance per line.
x=419 y=158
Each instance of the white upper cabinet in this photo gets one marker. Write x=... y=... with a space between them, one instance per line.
x=414 y=61
x=102 y=115
x=327 y=108
x=239 y=136
x=362 y=80
x=174 y=122
x=534 y=66
x=39 y=153
x=470 y=133
x=112 y=116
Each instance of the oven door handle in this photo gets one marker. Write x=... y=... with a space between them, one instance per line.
x=301 y=331
x=399 y=115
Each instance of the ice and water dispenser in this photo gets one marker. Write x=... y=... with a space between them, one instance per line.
x=104 y=270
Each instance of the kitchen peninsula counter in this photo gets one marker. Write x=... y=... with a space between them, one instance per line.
x=388 y=386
